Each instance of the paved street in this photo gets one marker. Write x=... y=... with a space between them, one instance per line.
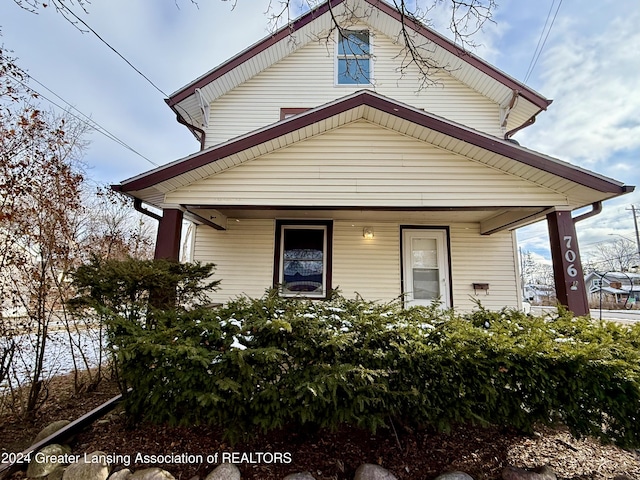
x=622 y=316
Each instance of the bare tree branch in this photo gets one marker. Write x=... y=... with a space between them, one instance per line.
x=618 y=255
x=43 y=228
x=466 y=19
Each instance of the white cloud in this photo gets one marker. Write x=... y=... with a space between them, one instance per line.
x=589 y=66
x=484 y=42
x=591 y=71
x=172 y=46
x=535 y=238
x=539 y=259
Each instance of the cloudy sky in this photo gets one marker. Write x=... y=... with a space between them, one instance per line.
x=589 y=66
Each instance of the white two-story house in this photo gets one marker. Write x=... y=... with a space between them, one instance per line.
x=322 y=166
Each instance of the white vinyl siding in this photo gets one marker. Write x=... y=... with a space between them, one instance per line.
x=366 y=267
x=369 y=268
x=362 y=164
x=483 y=259
x=243 y=255
x=306 y=78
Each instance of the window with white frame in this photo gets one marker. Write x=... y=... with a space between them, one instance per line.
x=303 y=258
x=353 y=57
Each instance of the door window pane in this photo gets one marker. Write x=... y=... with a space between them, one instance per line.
x=426 y=283
x=424 y=252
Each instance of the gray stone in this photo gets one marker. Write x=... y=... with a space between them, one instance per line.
x=369 y=471
x=454 y=476
x=92 y=466
x=123 y=474
x=299 y=476
x=539 y=473
x=154 y=473
x=52 y=457
x=56 y=474
x=50 y=430
x=224 y=471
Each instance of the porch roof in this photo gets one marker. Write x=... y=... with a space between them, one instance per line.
x=580 y=186
x=612 y=291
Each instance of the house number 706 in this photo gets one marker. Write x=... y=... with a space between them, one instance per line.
x=570 y=256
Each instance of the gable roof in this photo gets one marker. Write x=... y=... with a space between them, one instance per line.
x=614 y=276
x=470 y=69
x=541 y=169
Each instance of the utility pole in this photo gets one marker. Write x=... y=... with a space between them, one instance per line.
x=635 y=223
x=522 y=279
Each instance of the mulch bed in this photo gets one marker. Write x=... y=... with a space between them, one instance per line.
x=409 y=454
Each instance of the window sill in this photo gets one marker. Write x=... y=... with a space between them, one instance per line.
x=357 y=85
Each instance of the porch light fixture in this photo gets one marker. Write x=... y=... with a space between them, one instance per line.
x=367 y=232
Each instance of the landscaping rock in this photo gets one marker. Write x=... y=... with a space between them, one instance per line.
x=56 y=474
x=540 y=473
x=152 y=474
x=225 y=471
x=454 y=476
x=94 y=468
x=123 y=474
x=369 y=471
x=300 y=476
x=52 y=454
x=50 y=429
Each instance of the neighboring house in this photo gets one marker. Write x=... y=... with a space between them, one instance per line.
x=540 y=294
x=617 y=287
x=322 y=167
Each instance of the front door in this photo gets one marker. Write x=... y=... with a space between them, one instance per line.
x=425 y=267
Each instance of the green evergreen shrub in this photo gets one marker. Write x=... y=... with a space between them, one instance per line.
x=263 y=364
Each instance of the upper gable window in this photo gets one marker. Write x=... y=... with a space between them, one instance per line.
x=353 y=62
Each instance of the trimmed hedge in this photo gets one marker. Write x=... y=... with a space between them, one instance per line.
x=263 y=364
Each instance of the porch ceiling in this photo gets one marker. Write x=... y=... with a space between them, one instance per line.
x=490 y=220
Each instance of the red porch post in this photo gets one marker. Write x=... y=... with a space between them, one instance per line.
x=567 y=267
x=169 y=231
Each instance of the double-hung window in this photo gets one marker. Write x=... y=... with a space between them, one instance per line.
x=303 y=258
x=353 y=65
